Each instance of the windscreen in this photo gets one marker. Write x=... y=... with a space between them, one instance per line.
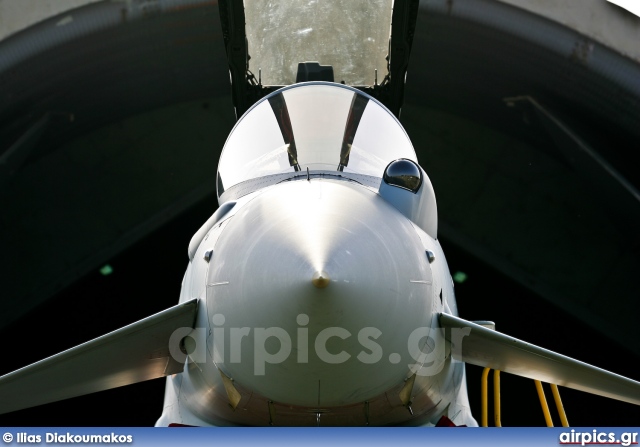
x=319 y=126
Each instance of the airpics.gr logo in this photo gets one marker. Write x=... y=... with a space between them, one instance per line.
x=595 y=437
x=426 y=347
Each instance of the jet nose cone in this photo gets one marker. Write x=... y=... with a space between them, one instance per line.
x=320 y=280
x=326 y=281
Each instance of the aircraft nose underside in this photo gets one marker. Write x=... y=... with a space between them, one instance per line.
x=314 y=293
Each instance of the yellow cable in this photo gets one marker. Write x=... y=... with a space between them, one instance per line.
x=496 y=398
x=559 y=406
x=543 y=404
x=485 y=404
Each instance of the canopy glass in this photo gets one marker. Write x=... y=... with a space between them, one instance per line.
x=350 y=35
x=320 y=126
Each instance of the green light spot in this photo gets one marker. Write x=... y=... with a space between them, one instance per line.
x=459 y=277
x=106 y=270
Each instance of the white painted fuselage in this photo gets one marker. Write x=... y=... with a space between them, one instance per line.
x=297 y=354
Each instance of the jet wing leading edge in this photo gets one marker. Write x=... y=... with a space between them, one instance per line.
x=132 y=354
x=488 y=348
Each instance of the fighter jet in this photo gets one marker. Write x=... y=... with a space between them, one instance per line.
x=316 y=294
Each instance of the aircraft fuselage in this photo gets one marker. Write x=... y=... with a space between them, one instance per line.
x=276 y=345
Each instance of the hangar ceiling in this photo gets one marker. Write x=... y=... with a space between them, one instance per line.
x=111 y=124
